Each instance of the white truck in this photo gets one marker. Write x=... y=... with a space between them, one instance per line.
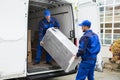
x=18 y=16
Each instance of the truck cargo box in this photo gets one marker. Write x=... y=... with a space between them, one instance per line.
x=61 y=49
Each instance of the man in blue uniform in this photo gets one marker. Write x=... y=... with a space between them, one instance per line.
x=46 y=23
x=89 y=47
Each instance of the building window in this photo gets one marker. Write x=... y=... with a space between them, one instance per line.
x=117 y=13
x=108 y=25
x=107 y=42
x=101 y=25
x=109 y=20
x=117 y=25
x=108 y=13
x=116 y=34
x=101 y=9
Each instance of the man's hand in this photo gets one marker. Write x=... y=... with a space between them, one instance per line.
x=41 y=43
x=56 y=27
x=76 y=57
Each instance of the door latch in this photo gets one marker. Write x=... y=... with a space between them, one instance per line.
x=72 y=34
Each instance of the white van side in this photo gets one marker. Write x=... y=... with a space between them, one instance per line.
x=19 y=16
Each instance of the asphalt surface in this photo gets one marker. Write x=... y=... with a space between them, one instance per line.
x=105 y=75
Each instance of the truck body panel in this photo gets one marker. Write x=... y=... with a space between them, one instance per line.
x=13 y=38
x=17 y=16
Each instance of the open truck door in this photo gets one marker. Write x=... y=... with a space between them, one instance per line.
x=63 y=12
x=13 y=38
x=54 y=1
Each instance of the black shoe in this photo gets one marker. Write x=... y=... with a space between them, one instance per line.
x=49 y=63
x=35 y=63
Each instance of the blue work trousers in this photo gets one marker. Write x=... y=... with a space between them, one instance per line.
x=39 y=54
x=85 y=70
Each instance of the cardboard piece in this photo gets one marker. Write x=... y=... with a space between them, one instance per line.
x=61 y=49
x=29 y=57
x=29 y=54
x=29 y=40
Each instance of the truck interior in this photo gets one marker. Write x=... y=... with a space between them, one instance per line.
x=62 y=11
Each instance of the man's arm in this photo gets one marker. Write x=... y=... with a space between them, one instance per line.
x=57 y=24
x=82 y=46
x=40 y=30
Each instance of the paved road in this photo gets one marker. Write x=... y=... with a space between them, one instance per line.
x=106 y=75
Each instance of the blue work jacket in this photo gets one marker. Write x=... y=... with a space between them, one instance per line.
x=89 y=46
x=44 y=25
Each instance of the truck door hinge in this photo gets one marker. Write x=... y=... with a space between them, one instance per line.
x=72 y=34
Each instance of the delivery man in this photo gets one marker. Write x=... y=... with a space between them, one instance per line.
x=89 y=47
x=46 y=23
